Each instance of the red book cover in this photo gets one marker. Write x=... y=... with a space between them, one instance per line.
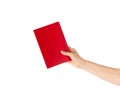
x=51 y=41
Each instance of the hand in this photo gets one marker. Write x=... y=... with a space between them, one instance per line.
x=76 y=60
x=106 y=73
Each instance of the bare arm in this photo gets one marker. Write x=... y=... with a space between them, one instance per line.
x=104 y=72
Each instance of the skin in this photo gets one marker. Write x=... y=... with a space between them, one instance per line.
x=106 y=73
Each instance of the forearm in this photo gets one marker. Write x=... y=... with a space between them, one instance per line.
x=106 y=73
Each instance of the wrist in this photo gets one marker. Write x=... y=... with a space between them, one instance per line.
x=82 y=63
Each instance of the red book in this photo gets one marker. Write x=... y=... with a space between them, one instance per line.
x=51 y=41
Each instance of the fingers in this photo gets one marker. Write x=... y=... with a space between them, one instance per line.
x=69 y=53
x=72 y=49
x=66 y=53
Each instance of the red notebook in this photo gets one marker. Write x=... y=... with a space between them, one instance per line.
x=51 y=41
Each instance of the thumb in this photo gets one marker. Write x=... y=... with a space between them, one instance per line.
x=65 y=53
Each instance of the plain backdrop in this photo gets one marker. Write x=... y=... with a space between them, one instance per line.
x=92 y=27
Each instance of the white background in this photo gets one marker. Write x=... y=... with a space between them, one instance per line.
x=92 y=27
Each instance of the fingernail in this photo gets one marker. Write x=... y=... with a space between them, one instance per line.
x=62 y=51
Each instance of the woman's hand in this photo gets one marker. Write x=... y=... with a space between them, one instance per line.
x=76 y=60
x=104 y=72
